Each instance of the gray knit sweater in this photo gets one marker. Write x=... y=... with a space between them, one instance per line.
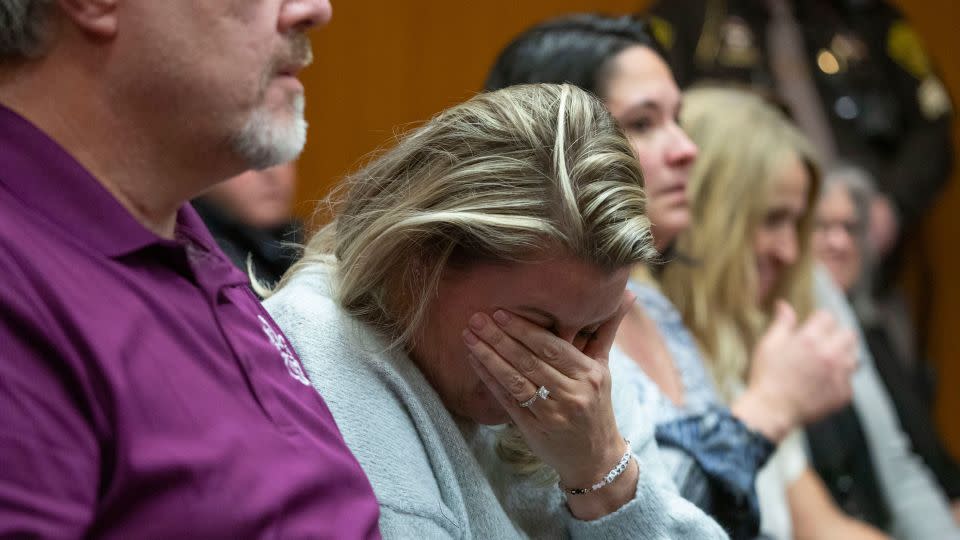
x=438 y=477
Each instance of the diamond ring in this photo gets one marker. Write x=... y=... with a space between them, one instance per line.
x=541 y=393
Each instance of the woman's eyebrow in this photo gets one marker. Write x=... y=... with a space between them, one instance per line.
x=643 y=106
x=550 y=318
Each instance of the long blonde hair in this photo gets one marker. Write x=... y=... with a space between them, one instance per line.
x=508 y=176
x=745 y=143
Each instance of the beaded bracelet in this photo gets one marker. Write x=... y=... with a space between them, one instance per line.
x=606 y=480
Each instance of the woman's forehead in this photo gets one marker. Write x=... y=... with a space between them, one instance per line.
x=562 y=291
x=641 y=76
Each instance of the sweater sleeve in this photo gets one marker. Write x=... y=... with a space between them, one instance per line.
x=401 y=525
x=657 y=510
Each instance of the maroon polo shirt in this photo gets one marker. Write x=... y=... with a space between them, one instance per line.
x=144 y=392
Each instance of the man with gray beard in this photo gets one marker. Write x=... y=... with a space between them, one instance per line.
x=144 y=393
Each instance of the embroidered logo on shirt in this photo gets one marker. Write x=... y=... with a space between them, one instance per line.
x=289 y=360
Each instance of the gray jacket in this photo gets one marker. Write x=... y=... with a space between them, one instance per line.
x=438 y=477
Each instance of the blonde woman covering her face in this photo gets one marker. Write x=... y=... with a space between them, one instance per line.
x=458 y=314
x=751 y=192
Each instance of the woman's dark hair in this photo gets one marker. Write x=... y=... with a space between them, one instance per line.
x=574 y=49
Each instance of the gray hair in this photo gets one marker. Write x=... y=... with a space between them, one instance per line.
x=861 y=187
x=24 y=25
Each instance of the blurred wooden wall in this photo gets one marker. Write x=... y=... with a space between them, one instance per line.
x=938 y=21
x=381 y=67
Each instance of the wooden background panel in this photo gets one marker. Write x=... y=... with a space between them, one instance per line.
x=937 y=22
x=381 y=67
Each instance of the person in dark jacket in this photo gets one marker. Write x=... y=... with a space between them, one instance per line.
x=250 y=217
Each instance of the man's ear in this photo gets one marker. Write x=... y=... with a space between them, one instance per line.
x=97 y=17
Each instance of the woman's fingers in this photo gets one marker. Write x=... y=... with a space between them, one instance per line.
x=819 y=324
x=515 y=384
x=515 y=353
x=550 y=349
x=573 y=429
x=499 y=393
x=784 y=323
x=599 y=345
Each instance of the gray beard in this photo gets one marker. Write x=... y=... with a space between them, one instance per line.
x=264 y=142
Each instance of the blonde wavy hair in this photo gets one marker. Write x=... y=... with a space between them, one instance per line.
x=745 y=143
x=513 y=175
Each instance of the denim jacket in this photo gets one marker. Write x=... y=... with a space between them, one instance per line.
x=713 y=457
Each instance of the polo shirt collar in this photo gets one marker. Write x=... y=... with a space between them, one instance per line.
x=45 y=177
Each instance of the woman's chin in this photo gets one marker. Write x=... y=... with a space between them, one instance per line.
x=668 y=229
x=482 y=408
x=487 y=410
x=489 y=413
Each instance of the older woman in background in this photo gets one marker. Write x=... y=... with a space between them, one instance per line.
x=458 y=314
x=840 y=242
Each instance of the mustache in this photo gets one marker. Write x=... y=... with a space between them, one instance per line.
x=298 y=55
